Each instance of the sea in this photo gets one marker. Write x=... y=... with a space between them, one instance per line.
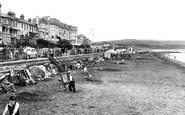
x=178 y=56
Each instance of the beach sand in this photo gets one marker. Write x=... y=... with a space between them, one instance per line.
x=142 y=86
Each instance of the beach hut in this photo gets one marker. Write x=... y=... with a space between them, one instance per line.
x=131 y=50
x=108 y=53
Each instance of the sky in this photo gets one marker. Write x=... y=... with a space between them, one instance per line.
x=102 y=20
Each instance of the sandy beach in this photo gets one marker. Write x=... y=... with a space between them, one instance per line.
x=142 y=86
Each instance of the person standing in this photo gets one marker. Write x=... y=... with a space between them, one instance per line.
x=14 y=53
x=71 y=82
x=4 y=53
x=12 y=107
x=21 y=50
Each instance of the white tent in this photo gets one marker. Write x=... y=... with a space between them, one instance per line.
x=1 y=48
x=108 y=53
x=122 y=50
x=118 y=51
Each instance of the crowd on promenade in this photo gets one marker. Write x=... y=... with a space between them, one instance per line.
x=13 y=54
x=8 y=53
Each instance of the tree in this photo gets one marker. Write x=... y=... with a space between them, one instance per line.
x=63 y=43
x=85 y=43
x=42 y=43
x=24 y=43
x=45 y=44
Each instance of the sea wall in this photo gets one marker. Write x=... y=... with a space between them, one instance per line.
x=19 y=65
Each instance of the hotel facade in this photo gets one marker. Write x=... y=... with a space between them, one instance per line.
x=15 y=30
x=53 y=30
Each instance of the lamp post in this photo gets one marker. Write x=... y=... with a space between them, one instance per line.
x=49 y=35
x=1 y=30
x=0 y=23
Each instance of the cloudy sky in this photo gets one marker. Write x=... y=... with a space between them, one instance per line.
x=110 y=19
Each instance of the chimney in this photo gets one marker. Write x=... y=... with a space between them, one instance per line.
x=13 y=14
x=9 y=13
x=22 y=17
x=48 y=18
x=37 y=19
x=29 y=20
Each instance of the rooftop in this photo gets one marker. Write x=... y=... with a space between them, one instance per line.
x=11 y=17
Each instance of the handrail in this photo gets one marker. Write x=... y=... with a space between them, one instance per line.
x=43 y=59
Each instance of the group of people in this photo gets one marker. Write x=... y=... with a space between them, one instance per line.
x=12 y=53
x=13 y=106
x=81 y=65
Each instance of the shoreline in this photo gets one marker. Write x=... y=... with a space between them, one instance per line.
x=165 y=56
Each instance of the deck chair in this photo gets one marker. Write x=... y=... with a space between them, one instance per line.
x=63 y=82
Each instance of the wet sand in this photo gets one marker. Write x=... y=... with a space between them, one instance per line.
x=142 y=86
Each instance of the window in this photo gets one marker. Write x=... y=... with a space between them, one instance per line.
x=24 y=26
x=5 y=21
x=13 y=24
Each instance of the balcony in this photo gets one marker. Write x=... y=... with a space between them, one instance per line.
x=14 y=36
x=6 y=25
x=34 y=31
x=15 y=28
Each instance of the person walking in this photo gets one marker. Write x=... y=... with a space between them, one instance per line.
x=71 y=82
x=12 y=107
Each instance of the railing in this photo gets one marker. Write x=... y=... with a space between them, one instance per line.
x=45 y=60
